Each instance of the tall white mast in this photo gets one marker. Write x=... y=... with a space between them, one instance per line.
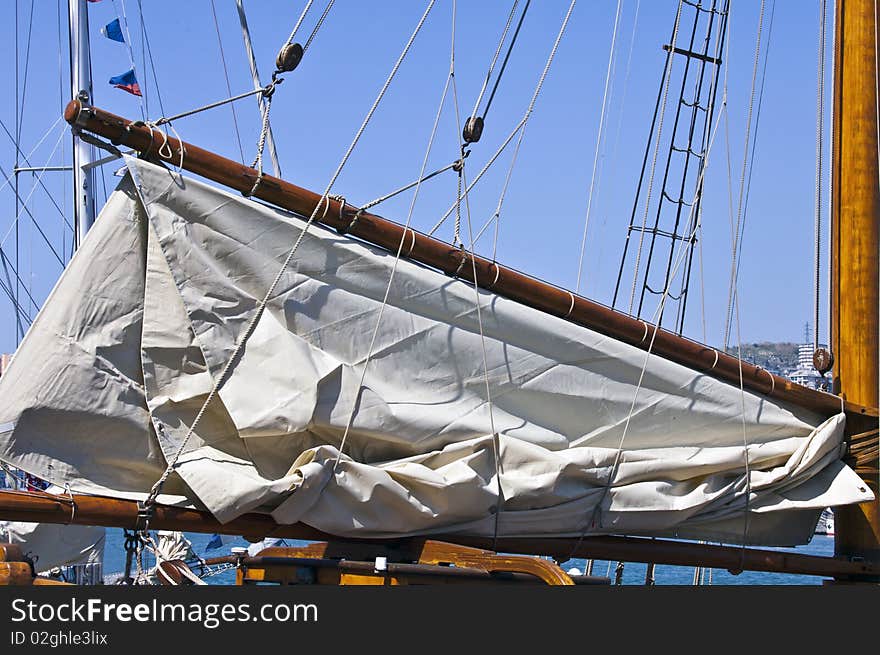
x=81 y=87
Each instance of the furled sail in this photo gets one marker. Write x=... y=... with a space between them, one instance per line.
x=107 y=382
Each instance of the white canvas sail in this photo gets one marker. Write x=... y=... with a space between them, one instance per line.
x=107 y=382
x=52 y=546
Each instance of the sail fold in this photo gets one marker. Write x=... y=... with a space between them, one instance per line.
x=106 y=385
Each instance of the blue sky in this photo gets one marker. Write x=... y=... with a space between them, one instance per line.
x=318 y=108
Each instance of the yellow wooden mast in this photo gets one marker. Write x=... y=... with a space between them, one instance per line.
x=855 y=250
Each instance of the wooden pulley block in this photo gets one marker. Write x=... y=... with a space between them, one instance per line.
x=473 y=129
x=823 y=360
x=289 y=57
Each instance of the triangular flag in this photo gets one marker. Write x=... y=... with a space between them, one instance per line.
x=127 y=82
x=113 y=31
x=218 y=541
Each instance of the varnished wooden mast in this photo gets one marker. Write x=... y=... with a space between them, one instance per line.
x=855 y=247
x=451 y=260
x=75 y=509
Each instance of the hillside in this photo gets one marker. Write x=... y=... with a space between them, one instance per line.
x=776 y=357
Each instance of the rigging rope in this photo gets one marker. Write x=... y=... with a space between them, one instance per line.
x=318 y=25
x=739 y=228
x=745 y=436
x=27 y=63
x=494 y=59
x=667 y=73
x=595 y=517
x=24 y=208
x=820 y=138
x=522 y=123
x=150 y=501
x=474 y=125
x=299 y=22
x=496 y=444
x=497 y=215
x=226 y=77
x=409 y=186
x=146 y=42
x=123 y=19
x=28 y=162
x=252 y=62
x=287 y=60
x=384 y=304
x=598 y=143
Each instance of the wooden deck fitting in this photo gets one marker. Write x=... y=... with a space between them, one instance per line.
x=16 y=570
x=409 y=563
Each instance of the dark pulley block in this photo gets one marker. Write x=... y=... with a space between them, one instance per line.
x=473 y=129
x=289 y=57
x=823 y=360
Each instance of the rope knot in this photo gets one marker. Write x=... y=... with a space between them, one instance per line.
x=458 y=164
x=269 y=89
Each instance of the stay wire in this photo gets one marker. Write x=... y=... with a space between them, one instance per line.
x=226 y=77
x=599 y=134
x=146 y=43
x=595 y=517
x=820 y=139
x=495 y=58
x=23 y=208
x=755 y=137
x=27 y=161
x=496 y=439
x=497 y=215
x=27 y=62
x=523 y=121
x=406 y=227
x=506 y=57
x=318 y=25
x=739 y=227
x=299 y=22
x=123 y=19
x=667 y=74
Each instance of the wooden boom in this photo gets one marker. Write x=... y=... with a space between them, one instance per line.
x=451 y=260
x=112 y=512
